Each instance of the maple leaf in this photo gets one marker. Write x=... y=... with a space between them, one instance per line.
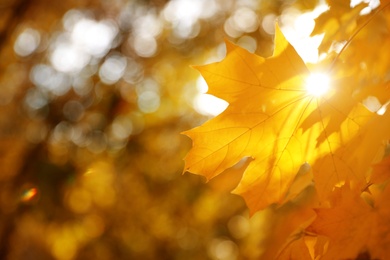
x=273 y=119
x=337 y=23
x=349 y=219
x=354 y=228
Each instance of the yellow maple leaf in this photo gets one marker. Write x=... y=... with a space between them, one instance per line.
x=275 y=120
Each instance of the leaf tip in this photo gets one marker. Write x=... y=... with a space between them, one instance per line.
x=187 y=133
x=196 y=67
x=280 y=41
x=230 y=46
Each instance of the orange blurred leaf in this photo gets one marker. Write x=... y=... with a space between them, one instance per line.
x=349 y=219
x=381 y=171
x=354 y=229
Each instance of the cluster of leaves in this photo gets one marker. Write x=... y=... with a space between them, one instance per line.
x=317 y=163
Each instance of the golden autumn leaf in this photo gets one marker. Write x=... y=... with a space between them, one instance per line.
x=275 y=118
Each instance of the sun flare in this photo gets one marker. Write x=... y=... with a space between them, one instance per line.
x=317 y=84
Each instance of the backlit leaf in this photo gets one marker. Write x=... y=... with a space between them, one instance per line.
x=274 y=120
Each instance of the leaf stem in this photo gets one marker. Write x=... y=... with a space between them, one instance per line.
x=355 y=33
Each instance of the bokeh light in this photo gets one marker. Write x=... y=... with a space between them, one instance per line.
x=27 y=42
x=112 y=69
x=29 y=194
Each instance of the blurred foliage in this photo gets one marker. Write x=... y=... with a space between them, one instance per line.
x=93 y=97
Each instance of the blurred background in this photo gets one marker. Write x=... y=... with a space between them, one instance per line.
x=93 y=97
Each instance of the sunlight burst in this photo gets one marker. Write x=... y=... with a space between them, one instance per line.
x=317 y=84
